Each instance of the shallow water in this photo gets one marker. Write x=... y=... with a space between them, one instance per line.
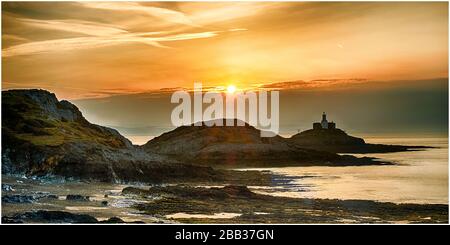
x=420 y=176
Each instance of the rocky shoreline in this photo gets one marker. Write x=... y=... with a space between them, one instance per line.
x=55 y=217
x=257 y=208
x=239 y=204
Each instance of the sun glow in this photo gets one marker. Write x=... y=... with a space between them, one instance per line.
x=231 y=89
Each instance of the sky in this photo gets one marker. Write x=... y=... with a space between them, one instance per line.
x=114 y=55
x=401 y=108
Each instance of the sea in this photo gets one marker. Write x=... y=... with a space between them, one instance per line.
x=417 y=176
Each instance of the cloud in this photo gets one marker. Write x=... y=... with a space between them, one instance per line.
x=238 y=29
x=78 y=26
x=187 y=36
x=205 y=14
x=162 y=13
x=98 y=35
x=285 y=85
x=313 y=84
x=9 y=40
x=68 y=44
x=14 y=38
x=53 y=45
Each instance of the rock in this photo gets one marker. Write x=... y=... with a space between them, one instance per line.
x=27 y=198
x=6 y=187
x=52 y=197
x=8 y=220
x=44 y=216
x=104 y=203
x=18 y=199
x=77 y=198
x=326 y=137
x=188 y=191
x=237 y=190
x=113 y=220
x=116 y=220
x=338 y=141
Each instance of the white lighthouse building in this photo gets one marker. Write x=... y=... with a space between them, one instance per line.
x=324 y=121
x=324 y=124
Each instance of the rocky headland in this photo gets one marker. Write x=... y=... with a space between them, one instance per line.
x=338 y=141
x=242 y=146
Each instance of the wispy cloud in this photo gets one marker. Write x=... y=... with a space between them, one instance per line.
x=77 y=26
x=98 y=35
x=14 y=38
x=313 y=84
x=224 y=11
x=68 y=44
x=162 y=13
x=95 y=34
x=187 y=36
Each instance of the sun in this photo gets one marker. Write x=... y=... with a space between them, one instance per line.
x=231 y=89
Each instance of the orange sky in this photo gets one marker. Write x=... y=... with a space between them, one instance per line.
x=87 y=49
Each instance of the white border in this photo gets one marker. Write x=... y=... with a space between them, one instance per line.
x=189 y=224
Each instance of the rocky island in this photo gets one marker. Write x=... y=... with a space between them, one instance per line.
x=324 y=136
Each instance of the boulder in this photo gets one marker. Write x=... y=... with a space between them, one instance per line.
x=77 y=198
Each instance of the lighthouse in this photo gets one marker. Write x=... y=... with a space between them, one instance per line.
x=324 y=122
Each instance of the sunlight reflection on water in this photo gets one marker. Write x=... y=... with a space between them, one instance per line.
x=420 y=177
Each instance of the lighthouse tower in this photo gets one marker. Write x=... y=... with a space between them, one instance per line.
x=324 y=121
